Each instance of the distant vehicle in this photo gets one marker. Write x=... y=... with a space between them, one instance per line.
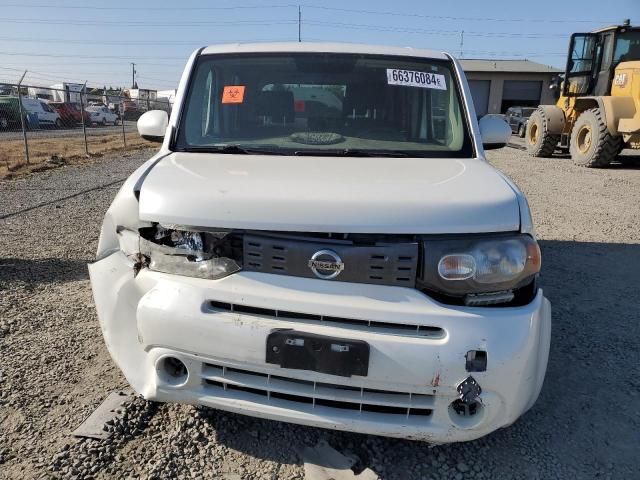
x=70 y=113
x=101 y=115
x=67 y=92
x=517 y=119
x=47 y=116
x=130 y=110
x=9 y=112
x=598 y=111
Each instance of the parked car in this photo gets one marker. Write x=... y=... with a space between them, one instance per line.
x=365 y=275
x=9 y=112
x=99 y=114
x=70 y=113
x=47 y=116
x=517 y=118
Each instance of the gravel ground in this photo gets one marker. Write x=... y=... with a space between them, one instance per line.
x=56 y=369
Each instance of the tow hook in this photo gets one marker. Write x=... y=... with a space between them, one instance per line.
x=469 y=390
x=469 y=401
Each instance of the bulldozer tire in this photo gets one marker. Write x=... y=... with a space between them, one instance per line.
x=539 y=142
x=591 y=143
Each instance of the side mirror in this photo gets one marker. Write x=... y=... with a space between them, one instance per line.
x=494 y=131
x=153 y=124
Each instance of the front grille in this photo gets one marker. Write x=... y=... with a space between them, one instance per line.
x=381 y=263
x=307 y=395
x=373 y=326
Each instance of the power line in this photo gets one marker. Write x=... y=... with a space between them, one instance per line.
x=146 y=9
x=391 y=28
x=146 y=23
x=127 y=42
x=447 y=17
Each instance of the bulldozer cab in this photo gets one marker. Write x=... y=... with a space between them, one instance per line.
x=593 y=58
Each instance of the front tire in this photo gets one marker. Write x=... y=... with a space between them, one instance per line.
x=58 y=123
x=104 y=122
x=539 y=141
x=591 y=143
x=4 y=123
x=521 y=131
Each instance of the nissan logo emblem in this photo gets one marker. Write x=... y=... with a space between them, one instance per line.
x=326 y=264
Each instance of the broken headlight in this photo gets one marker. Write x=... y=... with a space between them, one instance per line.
x=193 y=254
x=481 y=270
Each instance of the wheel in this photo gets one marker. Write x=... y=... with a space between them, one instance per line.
x=539 y=142
x=115 y=122
x=521 y=130
x=104 y=122
x=591 y=143
x=58 y=123
x=4 y=123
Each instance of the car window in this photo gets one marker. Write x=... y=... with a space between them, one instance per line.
x=312 y=101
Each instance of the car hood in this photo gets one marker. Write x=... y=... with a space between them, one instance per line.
x=329 y=194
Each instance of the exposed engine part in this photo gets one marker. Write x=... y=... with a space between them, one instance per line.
x=469 y=390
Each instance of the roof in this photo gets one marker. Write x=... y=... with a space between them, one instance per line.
x=322 y=47
x=513 y=66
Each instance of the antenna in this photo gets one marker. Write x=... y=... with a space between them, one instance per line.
x=299 y=24
x=461 y=42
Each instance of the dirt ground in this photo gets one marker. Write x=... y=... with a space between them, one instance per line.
x=56 y=369
x=50 y=152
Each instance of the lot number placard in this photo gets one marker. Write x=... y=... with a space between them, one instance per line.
x=411 y=78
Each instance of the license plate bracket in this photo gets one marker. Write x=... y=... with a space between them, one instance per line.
x=290 y=348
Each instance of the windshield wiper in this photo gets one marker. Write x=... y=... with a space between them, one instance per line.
x=352 y=152
x=234 y=149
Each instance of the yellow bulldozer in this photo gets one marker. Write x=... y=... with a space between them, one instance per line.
x=598 y=111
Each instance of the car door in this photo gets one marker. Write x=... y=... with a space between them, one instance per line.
x=515 y=118
x=47 y=115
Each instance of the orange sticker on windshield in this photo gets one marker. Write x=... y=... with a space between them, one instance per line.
x=233 y=94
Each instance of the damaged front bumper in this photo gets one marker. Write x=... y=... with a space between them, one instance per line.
x=197 y=341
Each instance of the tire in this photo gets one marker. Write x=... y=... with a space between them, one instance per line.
x=591 y=143
x=538 y=140
x=115 y=122
x=104 y=122
x=4 y=123
x=521 y=130
x=58 y=123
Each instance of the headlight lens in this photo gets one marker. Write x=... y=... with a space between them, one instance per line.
x=460 y=266
x=192 y=254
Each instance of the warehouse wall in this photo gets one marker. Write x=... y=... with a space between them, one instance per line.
x=497 y=84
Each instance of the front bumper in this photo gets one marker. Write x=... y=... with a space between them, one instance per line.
x=412 y=376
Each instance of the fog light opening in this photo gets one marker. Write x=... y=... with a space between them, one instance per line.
x=466 y=409
x=172 y=371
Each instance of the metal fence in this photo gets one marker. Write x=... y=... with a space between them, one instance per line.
x=40 y=124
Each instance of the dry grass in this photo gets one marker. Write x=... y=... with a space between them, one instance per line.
x=70 y=150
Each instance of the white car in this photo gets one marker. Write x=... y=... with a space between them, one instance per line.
x=353 y=265
x=102 y=115
x=47 y=116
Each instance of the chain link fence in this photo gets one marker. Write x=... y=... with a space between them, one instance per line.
x=49 y=125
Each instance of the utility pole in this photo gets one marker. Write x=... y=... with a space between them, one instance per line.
x=133 y=75
x=461 y=42
x=299 y=24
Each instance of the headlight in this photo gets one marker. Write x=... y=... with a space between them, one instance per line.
x=192 y=254
x=478 y=265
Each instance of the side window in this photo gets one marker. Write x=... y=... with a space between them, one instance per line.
x=581 y=64
x=582 y=54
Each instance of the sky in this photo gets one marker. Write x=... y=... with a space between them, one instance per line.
x=78 y=41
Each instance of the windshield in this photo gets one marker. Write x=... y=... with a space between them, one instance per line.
x=526 y=112
x=627 y=46
x=324 y=103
